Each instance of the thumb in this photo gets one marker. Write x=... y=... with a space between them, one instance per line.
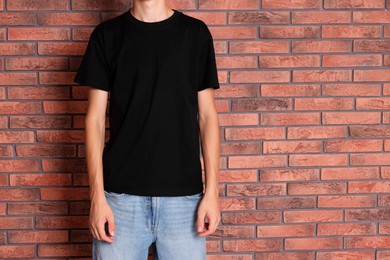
x=111 y=225
x=200 y=222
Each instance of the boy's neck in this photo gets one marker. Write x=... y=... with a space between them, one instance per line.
x=151 y=11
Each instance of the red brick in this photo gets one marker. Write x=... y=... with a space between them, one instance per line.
x=287 y=90
x=237 y=204
x=346 y=202
x=352 y=145
x=40 y=121
x=366 y=214
x=8 y=19
x=367 y=242
x=17 y=137
x=233 y=32
x=321 y=75
x=289 y=32
x=371 y=17
x=370 y=159
x=371 y=45
x=238 y=176
x=20 y=107
x=351 y=60
x=284 y=255
x=257 y=161
x=224 y=62
x=262 y=133
x=252 y=245
x=38 y=236
x=351 y=117
x=40 y=180
x=61 y=135
x=289 y=175
x=359 y=173
x=289 y=61
x=326 y=17
x=58 y=250
x=18 y=78
x=287 y=4
x=228 y=5
x=369 y=187
x=240 y=148
x=345 y=254
x=238 y=119
x=10 y=49
x=18 y=165
x=56 y=78
x=323 y=103
x=59 y=222
x=30 y=208
x=255 y=189
x=258 y=18
x=334 y=229
x=351 y=89
x=373 y=103
x=19 y=194
x=51 y=92
x=285 y=230
x=27 y=5
x=43 y=150
x=71 y=106
x=315 y=132
x=68 y=19
x=261 y=104
x=289 y=202
x=290 y=119
x=291 y=147
x=41 y=63
x=380 y=131
x=241 y=76
x=272 y=46
x=350 y=31
x=382 y=254
x=40 y=33
x=251 y=217
x=372 y=75
x=210 y=18
x=61 y=48
x=353 y=4
x=317 y=188
x=318 y=159
x=313 y=243
x=321 y=46
x=17 y=251
x=299 y=216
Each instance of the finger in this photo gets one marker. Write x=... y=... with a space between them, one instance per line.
x=211 y=225
x=200 y=222
x=102 y=233
x=111 y=225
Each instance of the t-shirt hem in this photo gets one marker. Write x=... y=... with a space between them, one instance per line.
x=153 y=191
x=90 y=83
x=214 y=86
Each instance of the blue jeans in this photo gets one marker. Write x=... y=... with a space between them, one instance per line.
x=166 y=223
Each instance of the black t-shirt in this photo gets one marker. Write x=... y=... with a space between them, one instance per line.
x=153 y=71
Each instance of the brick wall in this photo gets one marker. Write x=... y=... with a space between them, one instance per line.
x=304 y=109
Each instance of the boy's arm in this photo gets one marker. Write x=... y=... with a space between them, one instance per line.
x=209 y=134
x=94 y=140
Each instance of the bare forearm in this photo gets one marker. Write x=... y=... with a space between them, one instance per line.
x=209 y=134
x=94 y=140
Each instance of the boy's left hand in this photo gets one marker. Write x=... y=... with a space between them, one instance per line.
x=208 y=208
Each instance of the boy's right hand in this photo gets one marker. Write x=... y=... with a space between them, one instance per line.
x=100 y=213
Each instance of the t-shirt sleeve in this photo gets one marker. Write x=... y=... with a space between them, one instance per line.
x=208 y=76
x=93 y=70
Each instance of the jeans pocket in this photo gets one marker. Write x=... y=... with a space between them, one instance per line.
x=114 y=195
x=195 y=196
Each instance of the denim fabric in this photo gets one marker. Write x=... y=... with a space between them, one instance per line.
x=166 y=223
